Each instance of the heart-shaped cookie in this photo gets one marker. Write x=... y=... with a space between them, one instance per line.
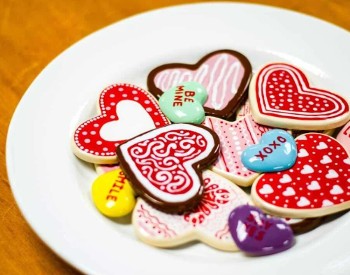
x=257 y=234
x=164 y=165
x=184 y=103
x=208 y=222
x=112 y=194
x=318 y=184
x=234 y=138
x=126 y=111
x=276 y=151
x=225 y=74
x=280 y=96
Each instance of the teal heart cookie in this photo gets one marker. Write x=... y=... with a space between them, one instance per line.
x=184 y=103
x=276 y=151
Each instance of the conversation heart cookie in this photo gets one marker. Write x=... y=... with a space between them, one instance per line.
x=184 y=103
x=276 y=151
x=234 y=138
x=208 y=222
x=280 y=96
x=344 y=136
x=165 y=165
x=126 y=111
x=317 y=185
x=225 y=74
x=257 y=234
x=112 y=194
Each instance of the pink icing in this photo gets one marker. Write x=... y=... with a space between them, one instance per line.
x=344 y=136
x=221 y=74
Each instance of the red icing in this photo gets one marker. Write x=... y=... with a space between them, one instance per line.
x=213 y=197
x=162 y=159
x=87 y=136
x=284 y=91
x=319 y=178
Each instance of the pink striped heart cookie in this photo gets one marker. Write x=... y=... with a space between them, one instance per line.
x=317 y=185
x=208 y=222
x=235 y=137
x=96 y=139
x=225 y=74
x=165 y=165
x=280 y=96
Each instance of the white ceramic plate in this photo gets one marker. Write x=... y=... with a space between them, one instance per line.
x=51 y=186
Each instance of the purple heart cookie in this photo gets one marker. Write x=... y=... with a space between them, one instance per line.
x=256 y=234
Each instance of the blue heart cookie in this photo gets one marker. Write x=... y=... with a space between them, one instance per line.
x=276 y=151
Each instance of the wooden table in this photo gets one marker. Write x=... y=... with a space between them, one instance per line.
x=32 y=33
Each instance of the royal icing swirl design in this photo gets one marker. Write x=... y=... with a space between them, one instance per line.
x=281 y=96
x=318 y=184
x=235 y=137
x=208 y=222
x=225 y=74
x=164 y=163
x=96 y=139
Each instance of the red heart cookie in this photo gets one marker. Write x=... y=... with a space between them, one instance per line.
x=225 y=74
x=164 y=165
x=280 y=96
x=126 y=111
x=317 y=185
x=235 y=137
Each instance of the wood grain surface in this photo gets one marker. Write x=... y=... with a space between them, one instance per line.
x=32 y=33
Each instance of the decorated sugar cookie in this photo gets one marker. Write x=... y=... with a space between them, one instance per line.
x=184 y=103
x=276 y=151
x=225 y=74
x=257 y=234
x=317 y=185
x=126 y=111
x=234 y=138
x=344 y=136
x=243 y=110
x=280 y=96
x=164 y=165
x=208 y=222
x=112 y=194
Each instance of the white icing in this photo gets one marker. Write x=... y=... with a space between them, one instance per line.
x=133 y=120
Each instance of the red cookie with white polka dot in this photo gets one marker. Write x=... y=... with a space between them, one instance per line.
x=280 y=96
x=125 y=112
x=317 y=185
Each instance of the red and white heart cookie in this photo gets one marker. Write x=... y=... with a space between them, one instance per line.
x=280 y=96
x=317 y=185
x=225 y=74
x=234 y=138
x=208 y=222
x=164 y=165
x=126 y=111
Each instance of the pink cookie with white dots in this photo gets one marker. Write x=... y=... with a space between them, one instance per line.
x=126 y=111
x=317 y=185
x=235 y=137
x=280 y=96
